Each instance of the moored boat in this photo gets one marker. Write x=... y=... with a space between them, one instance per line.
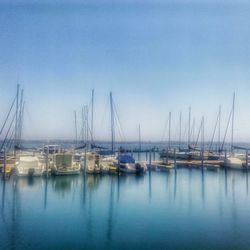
x=232 y=163
x=30 y=166
x=63 y=164
x=127 y=164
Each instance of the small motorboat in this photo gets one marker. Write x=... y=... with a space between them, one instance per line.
x=127 y=164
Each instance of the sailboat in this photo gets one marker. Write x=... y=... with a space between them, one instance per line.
x=232 y=162
x=103 y=161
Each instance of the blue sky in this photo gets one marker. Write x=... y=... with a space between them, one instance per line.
x=156 y=57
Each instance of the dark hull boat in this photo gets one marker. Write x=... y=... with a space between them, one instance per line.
x=127 y=164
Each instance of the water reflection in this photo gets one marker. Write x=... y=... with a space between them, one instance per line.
x=118 y=188
x=45 y=192
x=64 y=185
x=149 y=185
x=246 y=181
x=110 y=213
x=10 y=214
x=175 y=182
x=226 y=181
x=84 y=190
x=203 y=185
x=105 y=209
x=89 y=223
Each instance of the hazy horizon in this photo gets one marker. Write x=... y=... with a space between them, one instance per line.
x=156 y=58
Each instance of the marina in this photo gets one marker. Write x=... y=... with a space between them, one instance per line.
x=124 y=124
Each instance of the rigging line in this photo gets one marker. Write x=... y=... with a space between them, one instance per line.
x=192 y=133
x=215 y=128
x=8 y=132
x=21 y=123
x=184 y=134
x=164 y=130
x=120 y=131
x=116 y=114
x=11 y=139
x=105 y=112
x=176 y=132
x=198 y=134
x=20 y=120
x=8 y=115
x=224 y=138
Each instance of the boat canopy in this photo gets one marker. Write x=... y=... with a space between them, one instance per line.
x=125 y=158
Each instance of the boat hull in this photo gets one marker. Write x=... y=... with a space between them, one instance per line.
x=68 y=172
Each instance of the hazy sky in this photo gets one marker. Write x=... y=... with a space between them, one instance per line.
x=156 y=57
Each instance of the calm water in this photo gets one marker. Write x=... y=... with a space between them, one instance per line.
x=179 y=209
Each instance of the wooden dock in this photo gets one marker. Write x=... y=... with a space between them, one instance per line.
x=208 y=164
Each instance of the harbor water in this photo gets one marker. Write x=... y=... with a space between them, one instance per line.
x=179 y=209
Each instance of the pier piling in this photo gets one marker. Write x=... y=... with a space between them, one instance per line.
x=167 y=156
x=150 y=160
x=247 y=159
x=202 y=158
x=47 y=162
x=175 y=158
x=4 y=164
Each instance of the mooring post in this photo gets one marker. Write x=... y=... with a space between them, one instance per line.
x=246 y=159
x=202 y=158
x=4 y=163
x=119 y=161
x=85 y=159
x=225 y=159
x=150 y=162
x=175 y=158
x=47 y=162
x=154 y=153
x=146 y=155
x=167 y=156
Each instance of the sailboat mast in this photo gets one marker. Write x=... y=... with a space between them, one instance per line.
x=19 y=118
x=180 y=130
x=16 y=119
x=82 y=126
x=169 y=130
x=193 y=130
x=21 y=122
x=219 y=122
x=232 y=135
x=75 y=129
x=87 y=126
x=139 y=155
x=112 y=122
x=203 y=134
x=92 y=117
x=189 y=125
